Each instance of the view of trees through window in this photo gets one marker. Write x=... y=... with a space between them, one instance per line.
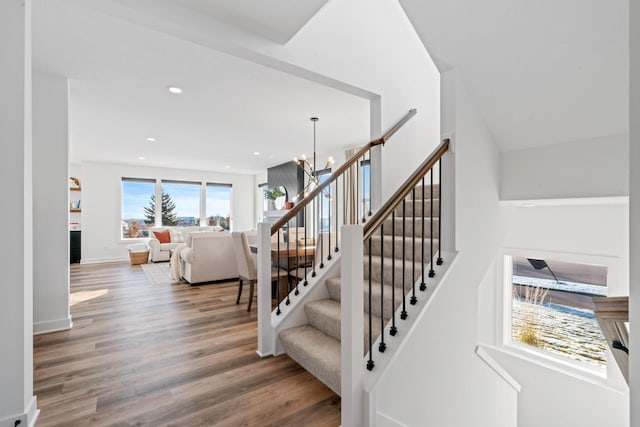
x=180 y=205
x=551 y=308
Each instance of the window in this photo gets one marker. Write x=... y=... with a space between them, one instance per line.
x=551 y=308
x=137 y=207
x=218 y=205
x=365 y=198
x=180 y=203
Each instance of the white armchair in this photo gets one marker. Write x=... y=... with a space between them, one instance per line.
x=209 y=257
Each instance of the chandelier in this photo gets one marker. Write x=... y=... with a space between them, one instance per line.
x=310 y=170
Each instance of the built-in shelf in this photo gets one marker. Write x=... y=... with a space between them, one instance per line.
x=75 y=210
x=75 y=189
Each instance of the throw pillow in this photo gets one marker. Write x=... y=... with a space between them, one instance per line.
x=163 y=236
x=176 y=235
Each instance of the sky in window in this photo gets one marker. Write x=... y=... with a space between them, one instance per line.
x=185 y=196
x=135 y=197
x=218 y=200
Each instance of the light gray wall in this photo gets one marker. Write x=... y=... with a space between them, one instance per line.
x=634 y=156
x=16 y=251
x=50 y=203
x=596 y=167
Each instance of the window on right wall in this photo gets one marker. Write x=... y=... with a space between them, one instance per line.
x=551 y=308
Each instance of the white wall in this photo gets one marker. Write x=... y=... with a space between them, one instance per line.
x=16 y=252
x=442 y=381
x=595 y=167
x=50 y=207
x=549 y=396
x=101 y=204
x=634 y=158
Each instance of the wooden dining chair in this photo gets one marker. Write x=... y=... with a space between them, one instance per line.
x=247 y=271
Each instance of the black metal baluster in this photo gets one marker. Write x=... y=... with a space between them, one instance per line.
x=403 y=314
x=315 y=229
x=297 y=258
x=413 y=299
x=423 y=285
x=439 y=212
x=394 y=330
x=329 y=213
x=431 y=270
x=278 y=277
x=287 y=261
x=337 y=220
x=382 y=347
x=304 y=246
x=320 y=233
x=370 y=363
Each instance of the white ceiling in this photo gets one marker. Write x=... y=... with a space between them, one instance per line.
x=278 y=20
x=229 y=108
x=540 y=72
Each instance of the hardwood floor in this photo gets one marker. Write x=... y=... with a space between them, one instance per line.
x=143 y=354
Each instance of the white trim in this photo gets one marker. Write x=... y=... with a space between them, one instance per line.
x=28 y=418
x=52 y=326
x=497 y=368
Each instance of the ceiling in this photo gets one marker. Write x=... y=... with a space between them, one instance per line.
x=540 y=72
x=119 y=73
x=278 y=20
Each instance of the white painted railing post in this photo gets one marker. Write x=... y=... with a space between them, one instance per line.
x=266 y=341
x=352 y=326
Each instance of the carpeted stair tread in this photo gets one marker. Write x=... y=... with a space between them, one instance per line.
x=411 y=247
x=315 y=351
x=409 y=273
x=409 y=204
x=408 y=226
x=427 y=192
x=334 y=284
x=324 y=315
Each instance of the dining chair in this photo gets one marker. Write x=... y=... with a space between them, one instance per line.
x=247 y=271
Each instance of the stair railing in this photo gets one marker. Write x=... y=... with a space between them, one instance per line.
x=307 y=236
x=412 y=212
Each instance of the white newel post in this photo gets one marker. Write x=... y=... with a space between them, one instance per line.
x=266 y=341
x=352 y=326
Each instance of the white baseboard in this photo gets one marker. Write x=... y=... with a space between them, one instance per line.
x=26 y=419
x=52 y=326
x=102 y=260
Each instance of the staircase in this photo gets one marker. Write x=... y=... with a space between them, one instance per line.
x=389 y=257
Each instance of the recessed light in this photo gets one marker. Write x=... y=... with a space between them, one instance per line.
x=174 y=89
x=227 y=166
x=256 y=153
x=528 y=205
x=140 y=158
x=151 y=139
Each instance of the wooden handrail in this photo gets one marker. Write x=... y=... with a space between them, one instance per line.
x=383 y=213
x=346 y=165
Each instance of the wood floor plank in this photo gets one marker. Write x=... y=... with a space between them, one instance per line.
x=144 y=354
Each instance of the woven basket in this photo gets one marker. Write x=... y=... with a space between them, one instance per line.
x=138 y=257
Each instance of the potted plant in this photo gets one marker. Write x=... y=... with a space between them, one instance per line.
x=273 y=194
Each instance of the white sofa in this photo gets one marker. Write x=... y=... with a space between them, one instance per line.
x=209 y=257
x=161 y=251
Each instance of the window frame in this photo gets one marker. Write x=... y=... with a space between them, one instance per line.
x=611 y=374
x=203 y=209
